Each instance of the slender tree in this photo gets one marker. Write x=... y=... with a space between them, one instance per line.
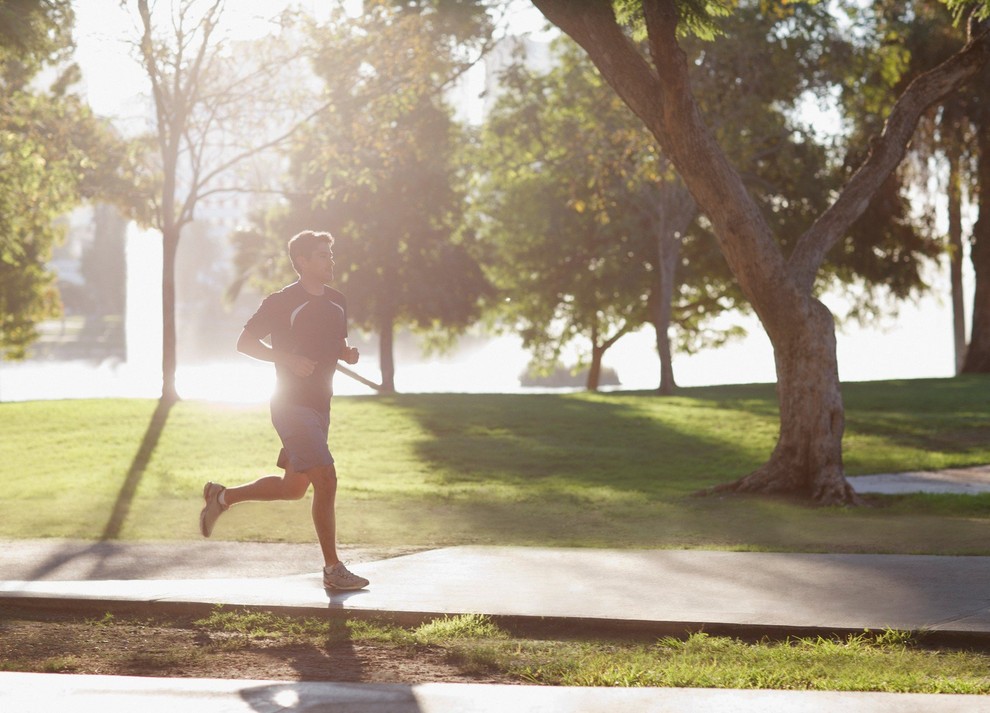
x=946 y=149
x=218 y=106
x=942 y=150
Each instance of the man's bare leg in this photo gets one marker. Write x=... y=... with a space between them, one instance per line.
x=324 y=480
x=335 y=574
x=290 y=486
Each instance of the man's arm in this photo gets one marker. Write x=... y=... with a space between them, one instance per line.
x=251 y=346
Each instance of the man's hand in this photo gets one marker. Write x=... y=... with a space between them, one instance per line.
x=350 y=355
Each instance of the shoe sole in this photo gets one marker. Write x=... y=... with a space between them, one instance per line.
x=202 y=513
x=345 y=589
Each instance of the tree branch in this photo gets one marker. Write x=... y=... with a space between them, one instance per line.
x=254 y=151
x=885 y=155
x=592 y=24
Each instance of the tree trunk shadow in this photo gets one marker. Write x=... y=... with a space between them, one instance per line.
x=134 y=474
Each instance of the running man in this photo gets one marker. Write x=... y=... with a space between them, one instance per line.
x=307 y=322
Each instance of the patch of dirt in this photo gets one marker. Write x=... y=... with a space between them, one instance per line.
x=32 y=641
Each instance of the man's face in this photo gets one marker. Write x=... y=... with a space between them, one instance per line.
x=320 y=263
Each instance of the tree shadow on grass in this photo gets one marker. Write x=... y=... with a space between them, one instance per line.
x=122 y=506
x=552 y=441
x=928 y=415
x=950 y=415
x=139 y=465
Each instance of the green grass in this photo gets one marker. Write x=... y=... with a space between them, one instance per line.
x=857 y=663
x=599 y=470
x=890 y=661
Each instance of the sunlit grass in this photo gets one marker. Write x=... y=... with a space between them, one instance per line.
x=611 y=469
x=890 y=661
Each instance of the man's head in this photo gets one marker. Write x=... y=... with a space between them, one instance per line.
x=304 y=244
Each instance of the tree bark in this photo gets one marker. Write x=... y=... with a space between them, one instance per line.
x=595 y=370
x=807 y=460
x=978 y=353
x=673 y=213
x=170 y=244
x=386 y=354
x=668 y=254
x=598 y=350
x=954 y=195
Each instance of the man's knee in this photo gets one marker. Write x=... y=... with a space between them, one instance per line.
x=294 y=487
x=323 y=477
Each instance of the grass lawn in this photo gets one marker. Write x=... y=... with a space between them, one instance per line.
x=599 y=470
x=471 y=647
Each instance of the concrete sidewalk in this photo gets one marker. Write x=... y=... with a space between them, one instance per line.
x=959 y=481
x=649 y=592
x=645 y=592
x=40 y=693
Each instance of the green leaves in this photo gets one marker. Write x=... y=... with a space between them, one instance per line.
x=53 y=154
x=696 y=18
x=381 y=168
x=960 y=9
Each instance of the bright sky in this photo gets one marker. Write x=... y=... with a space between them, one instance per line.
x=917 y=344
x=105 y=34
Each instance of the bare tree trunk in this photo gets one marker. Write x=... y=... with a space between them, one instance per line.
x=386 y=355
x=595 y=370
x=669 y=251
x=978 y=353
x=170 y=244
x=672 y=212
x=956 y=256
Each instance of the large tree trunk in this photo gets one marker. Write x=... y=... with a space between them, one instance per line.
x=978 y=353
x=954 y=195
x=807 y=460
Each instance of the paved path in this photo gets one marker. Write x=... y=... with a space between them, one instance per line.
x=969 y=481
x=60 y=559
x=649 y=591
x=39 y=693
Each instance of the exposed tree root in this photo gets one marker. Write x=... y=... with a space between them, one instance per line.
x=774 y=479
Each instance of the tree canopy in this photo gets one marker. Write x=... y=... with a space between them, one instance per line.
x=380 y=169
x=655 y=83
x=53 y=154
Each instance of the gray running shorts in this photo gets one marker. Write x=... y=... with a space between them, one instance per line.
x=304 y=433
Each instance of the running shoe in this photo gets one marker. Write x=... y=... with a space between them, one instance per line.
x=338 y=577
x=211 y=511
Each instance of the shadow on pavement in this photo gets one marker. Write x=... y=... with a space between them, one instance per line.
x=291 y=696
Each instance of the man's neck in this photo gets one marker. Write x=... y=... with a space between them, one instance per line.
x=313 y=287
